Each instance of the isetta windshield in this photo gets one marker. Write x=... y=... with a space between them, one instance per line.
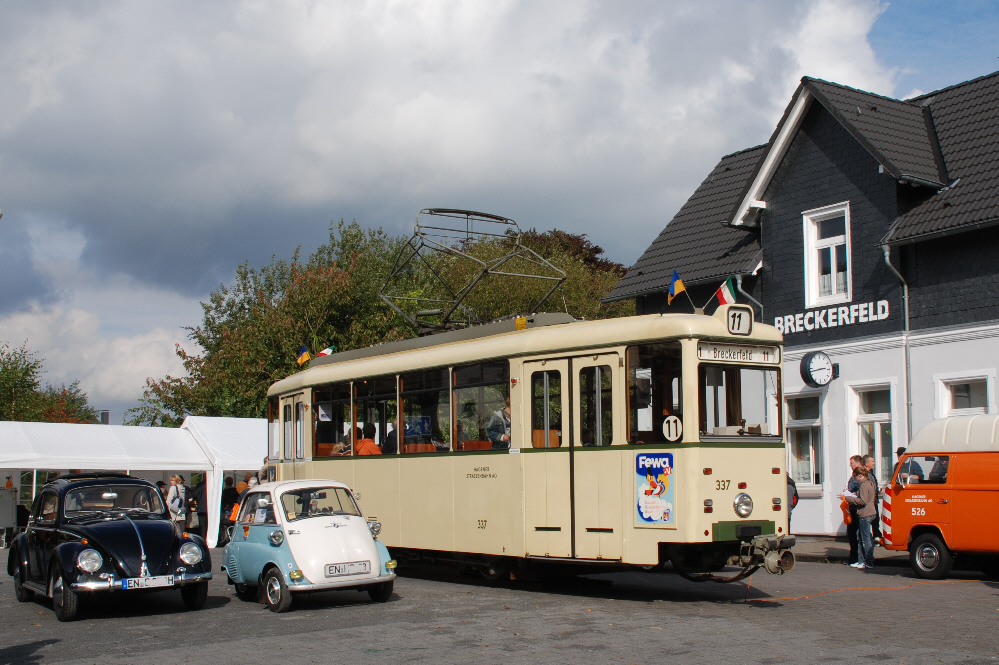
x=317 y=501
x=107 y=498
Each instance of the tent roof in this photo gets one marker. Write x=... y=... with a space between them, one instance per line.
x=198 y=445
x=92 y=447
x=238 y=443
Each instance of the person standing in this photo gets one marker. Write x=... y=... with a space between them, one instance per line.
x=177 y=503
x=864 y=500
x=498 y=428
x=200 y=497
x=853 y=485
x=873 y=476
x=230 y=497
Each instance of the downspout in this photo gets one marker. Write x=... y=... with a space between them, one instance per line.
x=905 y=340
x=738 y=287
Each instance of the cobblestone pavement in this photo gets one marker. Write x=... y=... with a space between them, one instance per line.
x=819 y=612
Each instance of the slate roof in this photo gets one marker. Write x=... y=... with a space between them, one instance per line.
x=947 y=140
x=895 y=132
x=694 y=242
x=966 y=117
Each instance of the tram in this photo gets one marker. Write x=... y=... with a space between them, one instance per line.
x=622 y=442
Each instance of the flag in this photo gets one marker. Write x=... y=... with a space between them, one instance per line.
x=726 y=292
x=328 y=351
x=303 y=356
x=676 y=287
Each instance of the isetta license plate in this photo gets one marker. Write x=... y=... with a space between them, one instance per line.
x=352 y=568
x=146 y=582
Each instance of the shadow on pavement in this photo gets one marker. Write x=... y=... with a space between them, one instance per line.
x=24 y=653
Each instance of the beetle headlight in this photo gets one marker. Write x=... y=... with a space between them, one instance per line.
x=89 y=561
x=190 y=553
x=276 y=537
x=743 y=505
x=376 y=528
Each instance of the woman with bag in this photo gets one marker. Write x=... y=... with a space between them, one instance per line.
x=177 y=503
x=865 y=500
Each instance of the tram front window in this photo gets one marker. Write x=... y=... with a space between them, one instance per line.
x=738 y=401
x=654 y=390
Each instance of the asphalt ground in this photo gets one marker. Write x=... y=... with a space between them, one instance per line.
x=819 y=612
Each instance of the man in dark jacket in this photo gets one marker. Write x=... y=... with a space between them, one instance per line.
x=230 y=497
x=200 y=496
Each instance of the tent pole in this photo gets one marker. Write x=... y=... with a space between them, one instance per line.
x=34 y=483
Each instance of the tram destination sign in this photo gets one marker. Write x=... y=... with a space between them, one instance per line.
x=738 y=353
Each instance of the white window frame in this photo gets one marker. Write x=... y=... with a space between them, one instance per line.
x=876 y=418
x=942 y=394
x=812 y=489
x=810 y=220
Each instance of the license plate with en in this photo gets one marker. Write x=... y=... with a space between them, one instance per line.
x=351 y=568
x=146 y=582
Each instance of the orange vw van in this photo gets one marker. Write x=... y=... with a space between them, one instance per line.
x=943 y=499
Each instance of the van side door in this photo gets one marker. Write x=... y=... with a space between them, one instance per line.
x=924 y=495
x=975 y=501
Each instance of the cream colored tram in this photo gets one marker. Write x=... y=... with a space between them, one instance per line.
x=630 y=441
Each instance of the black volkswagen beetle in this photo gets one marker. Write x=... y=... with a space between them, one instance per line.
x=104 y=533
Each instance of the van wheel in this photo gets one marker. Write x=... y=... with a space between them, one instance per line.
x=246 y=592
x=990 y=568
x=276 y=594
x=23 y=595
x=380 y=593
x=65 y=601
x=929 y=557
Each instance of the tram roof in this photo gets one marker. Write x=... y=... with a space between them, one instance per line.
x=545 y=333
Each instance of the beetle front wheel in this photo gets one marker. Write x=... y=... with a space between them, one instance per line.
x=65 y=601
x=276 y=594
x=20 y=593
x=194 y=595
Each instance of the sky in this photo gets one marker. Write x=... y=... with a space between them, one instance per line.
x=146 y=149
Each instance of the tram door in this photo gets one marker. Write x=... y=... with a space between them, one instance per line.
x=545 y=450
x=293 y=427
x=596 y=469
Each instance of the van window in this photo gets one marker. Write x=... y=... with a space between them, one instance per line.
x=926 y=470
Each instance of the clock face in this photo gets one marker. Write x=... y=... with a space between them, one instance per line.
x=818 y=368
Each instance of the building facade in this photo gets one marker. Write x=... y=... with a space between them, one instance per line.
x=866 y=229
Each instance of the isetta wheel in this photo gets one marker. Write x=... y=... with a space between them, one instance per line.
x=65 y=601
x=380 y=593
x=246 y=592
x=930 y=558
x=276 y=594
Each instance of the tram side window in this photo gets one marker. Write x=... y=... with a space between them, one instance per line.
x=481 y=393
x=655 y=390
x=289 y=432
x=273 y=429
x=546 y=409
x=739 y=401
x=377 y=417
x=595 y=406
x=331 y=421
x=426 y=411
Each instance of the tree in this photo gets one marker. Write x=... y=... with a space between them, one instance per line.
x=23 y=398
x=251 y=331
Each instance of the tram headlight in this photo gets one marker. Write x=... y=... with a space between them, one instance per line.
x=743 y=505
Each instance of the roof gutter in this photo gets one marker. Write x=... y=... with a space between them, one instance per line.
x=738 y=287
x=886 y=250
x=914 y=180
x=698 y=282
x=964 y=228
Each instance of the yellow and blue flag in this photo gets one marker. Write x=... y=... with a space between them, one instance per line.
x=303 y=357
x=676 y=287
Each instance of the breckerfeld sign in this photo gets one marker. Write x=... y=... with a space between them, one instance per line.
x=832 y=317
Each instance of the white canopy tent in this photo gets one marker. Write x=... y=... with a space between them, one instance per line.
x=212 y=445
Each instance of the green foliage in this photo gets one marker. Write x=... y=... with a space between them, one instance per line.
x=23 y=398
x=252 y=330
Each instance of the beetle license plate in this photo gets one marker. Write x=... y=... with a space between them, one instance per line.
x=352 y=568
x=146 y=582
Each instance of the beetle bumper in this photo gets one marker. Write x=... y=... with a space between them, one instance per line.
x=113 y=583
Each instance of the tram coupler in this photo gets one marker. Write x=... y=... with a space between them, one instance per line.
x=773 y=552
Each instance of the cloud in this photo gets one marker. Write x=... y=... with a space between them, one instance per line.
x=147 y=148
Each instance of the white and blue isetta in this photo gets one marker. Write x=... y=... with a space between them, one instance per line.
x=305 y=535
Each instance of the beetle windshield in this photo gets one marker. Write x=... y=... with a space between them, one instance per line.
x=109 y=498
x=318 y=501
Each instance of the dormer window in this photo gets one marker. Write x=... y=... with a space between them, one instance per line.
x=827 y=255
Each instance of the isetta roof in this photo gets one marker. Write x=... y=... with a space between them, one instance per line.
x=283 y=486
x=957 y=434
